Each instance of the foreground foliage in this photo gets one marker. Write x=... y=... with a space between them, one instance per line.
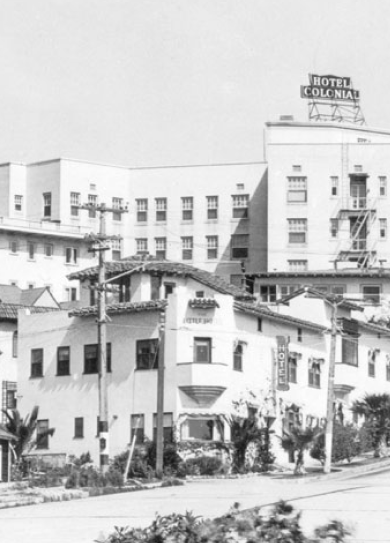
x=281 y=524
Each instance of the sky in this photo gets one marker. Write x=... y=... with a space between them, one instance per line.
x=173 y=82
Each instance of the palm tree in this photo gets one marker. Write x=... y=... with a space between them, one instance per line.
x=24 y=432
x=244 y=430
x=298 y=440
x=376 y=410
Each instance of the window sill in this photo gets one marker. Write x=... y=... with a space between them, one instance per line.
x=78 y=437
x=62 y=374
x=145 y=369
x=317 y=387
x=36 y=376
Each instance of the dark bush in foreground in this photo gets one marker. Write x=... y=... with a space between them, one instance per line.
x=345 y=444
x=281 y=525
x=204 y=465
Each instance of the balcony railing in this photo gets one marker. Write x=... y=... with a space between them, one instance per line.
x=203 y=382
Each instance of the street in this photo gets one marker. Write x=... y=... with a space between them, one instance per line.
x=362 y=503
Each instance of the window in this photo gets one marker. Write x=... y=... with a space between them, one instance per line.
x=47 y=204
x=36 y=362
x=371 y=294
x=239 y=246
x=42 y=434
x=116 y=252
x=202 y=350
x=18 y=202
x=13 y=246
x=358 y=168
x=141 y=246
x=79 y=427
x=91 y=358
x=371 y=362
x=31 y=250
x=350 y=349
x=147 y=354
x=161 y=248
x=268 y=293
x=212 y=207
x=297 y=190
x=167 y=427
x=337 y=290
x=382 y=185
x=383 y=228
x=240 y=206
x=137 y=427
x=71 y=294
x=299 y=335
x=168 y=289
x=117 y=204
x=334 y=185
x=198 y=429
x=297 y=265
x=10 y=399
x=259 y=325
x=212 y=247
x=93 y=202
x=71 y=254
x=63 y=361
x=48 y=250
x=334 y=228
x=187 y=244
x=161 y=209
x=286 y=290
x=238 y=351
x=314 y=374
x=297 y=229
x=240 y=186
x=15 y=344
x=388 y=371
x=292 y=368
x=187 y=206
x=92 y=186
x=297 y=168
x=74 y=204
x=142 y=209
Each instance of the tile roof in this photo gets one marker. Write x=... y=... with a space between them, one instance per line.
x=10 y=294
x=311 y=292
x=9 y=312
x=128 y=307
x=174 y=269
x=263 y=311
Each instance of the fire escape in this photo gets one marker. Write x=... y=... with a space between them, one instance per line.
x=356 y=214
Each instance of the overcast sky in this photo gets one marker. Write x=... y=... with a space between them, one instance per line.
x=169 y=82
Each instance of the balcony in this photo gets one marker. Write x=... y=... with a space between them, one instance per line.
x=203 y=382
x=354 y=205
x=346 y=376
x=51 y=228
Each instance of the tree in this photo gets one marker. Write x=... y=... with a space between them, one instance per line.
x=298 y=440
x=345 y=444
x=24 y=432
x=245 y=430
x=376 y=410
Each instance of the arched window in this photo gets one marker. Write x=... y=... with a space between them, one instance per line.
x=15 y=344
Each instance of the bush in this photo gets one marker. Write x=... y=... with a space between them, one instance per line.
x=345 y=444
x=204 y=465
x=282 y=524
x=91 y=477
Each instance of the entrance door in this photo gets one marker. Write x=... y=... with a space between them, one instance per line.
x=358 y=189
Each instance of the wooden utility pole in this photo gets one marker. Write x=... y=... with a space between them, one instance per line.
x=101 y=245
x=160 y=399
x=330 y=400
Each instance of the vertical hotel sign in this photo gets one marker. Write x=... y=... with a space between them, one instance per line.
x=282 y=363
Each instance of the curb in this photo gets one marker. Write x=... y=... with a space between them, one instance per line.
x=341 y=473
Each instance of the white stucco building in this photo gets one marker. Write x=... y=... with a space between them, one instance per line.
x=220 y=346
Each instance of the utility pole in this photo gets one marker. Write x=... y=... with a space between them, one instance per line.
x=101 y=245
x=330 y=400
x=160 y=399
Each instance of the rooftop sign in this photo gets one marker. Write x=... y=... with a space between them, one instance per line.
x=329 y=87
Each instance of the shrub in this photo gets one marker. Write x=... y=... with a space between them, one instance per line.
x=204 y=465
x=282 y=524
x=345 y=444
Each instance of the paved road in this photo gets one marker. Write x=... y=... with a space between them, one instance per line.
x=363 y=502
